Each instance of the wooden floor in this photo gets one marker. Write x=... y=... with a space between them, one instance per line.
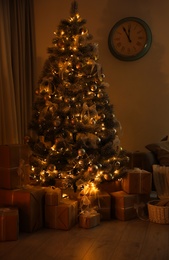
x=117 y=240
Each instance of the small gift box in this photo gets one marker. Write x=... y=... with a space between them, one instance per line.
x=137 y=181
x=100 y=201
x=52 y=196
x=9 y=220
x=64 y=216
x=89 y=219
x=123 y=205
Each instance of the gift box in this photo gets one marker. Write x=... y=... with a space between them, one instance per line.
x=52 y=196
x=70 y=193
x=110 y=186
x=9 y=178
x=123 y=205
x=12 y=178
x=12 y=154
x=30 y=202
x=137 y=181
x=89 y=219
x=9 y=228
x=64 y=216
x=14 y=166
x=101 y=201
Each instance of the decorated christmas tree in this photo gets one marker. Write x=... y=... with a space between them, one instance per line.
x=73 y=133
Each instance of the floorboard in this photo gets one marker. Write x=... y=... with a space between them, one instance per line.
x=111 y=240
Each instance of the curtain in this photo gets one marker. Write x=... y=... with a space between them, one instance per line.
x=17 y=69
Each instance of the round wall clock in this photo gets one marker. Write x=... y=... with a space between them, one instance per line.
x=130 y=39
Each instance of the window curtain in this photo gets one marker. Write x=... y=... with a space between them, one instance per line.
x=17 y=69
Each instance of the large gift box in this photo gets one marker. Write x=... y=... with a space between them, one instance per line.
x=9 y=228
x=64 y=216
x=10 y=155
x=124 y=205
x=52 y=196
x=110 y=186
x=89 y=219
x=30 y=202
x=137 y=181
x=14 y=166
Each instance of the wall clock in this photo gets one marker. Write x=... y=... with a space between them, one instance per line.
x=130 y=39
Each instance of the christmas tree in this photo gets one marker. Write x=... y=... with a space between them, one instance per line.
x=73 y=133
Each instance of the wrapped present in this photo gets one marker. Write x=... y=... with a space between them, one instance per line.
x=9 y=220
x=100 y=201
x=17 y=177
x=30 y=202
x=103 y=201
x=64 y=216
x=52 y=196
x=89 y=219
x=123 y=205
x=9 y=178
x=14 y=166
x=70 y=193
x=110 y=186
x=12 y=154
x=137 y=181
x=125 y=214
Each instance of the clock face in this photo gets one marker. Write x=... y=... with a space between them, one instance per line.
x=130 y=39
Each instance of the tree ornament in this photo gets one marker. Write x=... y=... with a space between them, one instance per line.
x=100 y=95
x=81 y=152
x=93 y=88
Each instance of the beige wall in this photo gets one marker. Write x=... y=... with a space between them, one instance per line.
x=138 y=90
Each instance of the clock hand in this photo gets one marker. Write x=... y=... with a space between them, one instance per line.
x=128 y=36
x=129 y=27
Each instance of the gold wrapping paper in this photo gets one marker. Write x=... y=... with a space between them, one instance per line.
x=9 y=228
x=30 y=202
x=105 y=213
x=137 y=181
x=70 y=193
x=125 y=213
x=110 y=186
x=101 y=201
x=52 y=196
x=123 y=205
x=89 y=219
x=64 y=216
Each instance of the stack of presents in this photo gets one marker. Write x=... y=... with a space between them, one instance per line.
x=27 y=208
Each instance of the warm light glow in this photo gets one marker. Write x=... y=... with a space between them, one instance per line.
x=90 y=188
x=32 y=168
x=116 y=172
x=53 y=148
